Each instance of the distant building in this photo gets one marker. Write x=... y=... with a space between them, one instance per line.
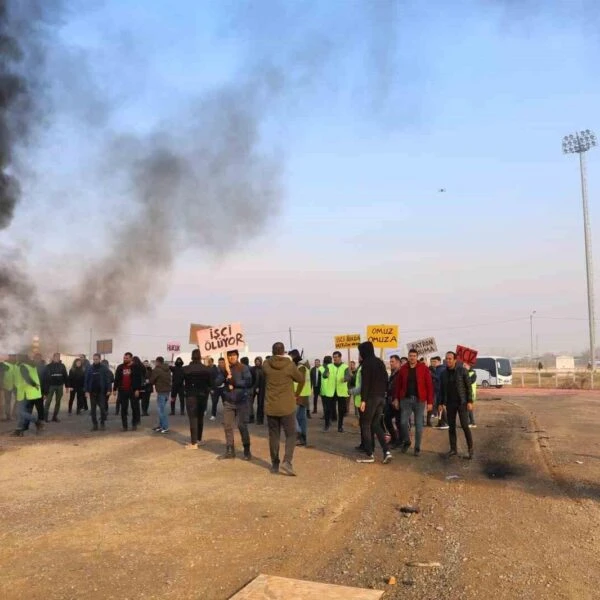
x=565 y=363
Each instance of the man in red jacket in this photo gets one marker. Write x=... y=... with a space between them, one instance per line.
x=414 y=393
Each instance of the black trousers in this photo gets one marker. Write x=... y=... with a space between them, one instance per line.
x=335 y=408
x=391 y=417
x=315 y=400
x=260 y=405
x=124 y=399
x=98 y=400
x=215 y=395
x=196 y=407
x=181 y=394
x=371 y=425
x=463 y=415
x=145 y=398
x=38 y=403
x=81 y=400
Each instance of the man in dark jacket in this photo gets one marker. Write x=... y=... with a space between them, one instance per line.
x=373 y=388
x=281 y=373
x=456 y=397
x=129 y=380
x=198 y=380
x=436 y=369
x=177 y=388
x=219 y=376
x=97 y=382
x=54 y=382
x=258 y=391
x=315 y=380
x=392 y=414
x=414 y=394
x=235 y=405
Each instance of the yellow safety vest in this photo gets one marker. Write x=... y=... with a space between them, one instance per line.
x=340 y=387
x=306 y=390
x=327 y=383
x=26 y=391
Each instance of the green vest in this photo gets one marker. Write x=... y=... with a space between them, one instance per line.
x=306 y=390
x=358 y=397
x=340 y=387
x=8 y=383
x=26 y=391
x=327 y=383
x=473 y=386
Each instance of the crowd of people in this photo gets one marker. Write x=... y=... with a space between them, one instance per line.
x=283 y=387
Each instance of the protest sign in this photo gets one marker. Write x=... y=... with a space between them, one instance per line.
x=173 y=346
x=423 y=347
x=383 y=336
x=215 y=340
x=350 y=340
x=466 y=355
x=194 y=329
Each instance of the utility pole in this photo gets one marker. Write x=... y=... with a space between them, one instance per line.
x=531 y=332
x=291 y=340
x=580 y=143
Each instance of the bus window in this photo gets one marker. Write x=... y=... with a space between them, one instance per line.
x=504 y=367
x=487 y=364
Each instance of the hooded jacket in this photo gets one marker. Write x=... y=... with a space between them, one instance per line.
x=160 y=378
x=55 y=374
x=280 y=375
x=374 y=377
x=177 y=371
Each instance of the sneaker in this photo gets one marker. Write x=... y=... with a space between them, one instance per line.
x=405 y=448
x=102 y=427
x=387 y=458
x=247 y=454
x=157 y=428
x=472 y=426
x=191 y=446
x=17 y=433
x=201 y=443
x=367 y=459
x=417 y=452
x=164 y=431
x=325 y=429
x=55 y=420
x=39 y=425
x=287 y=468
x=340 y=430
x=443 y=426
x=274 y=468
x=451 y=454
x=212 y=418
x=470 y=455
x=94 y=428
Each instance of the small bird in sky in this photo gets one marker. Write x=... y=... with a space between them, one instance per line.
x=442 y=190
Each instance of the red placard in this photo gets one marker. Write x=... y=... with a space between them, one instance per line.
x=173 y=347
x=466 y=355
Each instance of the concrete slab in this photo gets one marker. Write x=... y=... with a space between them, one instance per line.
x=268 y=587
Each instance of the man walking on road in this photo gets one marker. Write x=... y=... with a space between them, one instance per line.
x=281 y=374
x=160 y=379
x=315 y=380
x=219 y=376
x=235 y=405
x=198 y=380
x=373 y=388
x=338 y=375
x=55 y=380
x=97 y=382
x=303 y=392
x=456 y=398
x=29 y=394
x=258 y=391
x=414 y=395
x=129 y=380
x=8 y=407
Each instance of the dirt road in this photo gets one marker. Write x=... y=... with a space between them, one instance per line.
x=134 y=515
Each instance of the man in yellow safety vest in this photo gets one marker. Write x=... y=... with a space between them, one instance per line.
x=29 y=392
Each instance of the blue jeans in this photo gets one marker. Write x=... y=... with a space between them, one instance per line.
x=24 y=408
x=161 y=400
x=410 y=406
x=301 y=421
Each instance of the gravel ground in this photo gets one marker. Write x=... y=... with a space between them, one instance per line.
x=134 y=515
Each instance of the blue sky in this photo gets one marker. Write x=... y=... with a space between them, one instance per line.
x=382 y=108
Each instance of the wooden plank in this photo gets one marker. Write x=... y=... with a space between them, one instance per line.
x=268 y=587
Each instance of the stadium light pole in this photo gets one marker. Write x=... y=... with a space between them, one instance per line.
x=580 y=143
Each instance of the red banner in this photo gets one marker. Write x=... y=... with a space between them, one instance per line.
x=466 y=355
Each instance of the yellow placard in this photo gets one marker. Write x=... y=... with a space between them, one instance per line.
x=383 y=336
x=350 y=340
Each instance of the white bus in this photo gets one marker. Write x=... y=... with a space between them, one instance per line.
x=493 y=371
